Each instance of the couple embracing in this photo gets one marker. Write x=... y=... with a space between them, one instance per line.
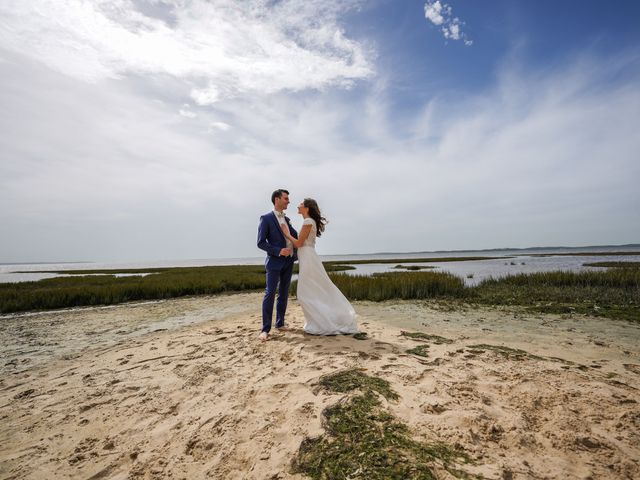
x=326 y=310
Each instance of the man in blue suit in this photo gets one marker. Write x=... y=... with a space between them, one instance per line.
x=279 y=262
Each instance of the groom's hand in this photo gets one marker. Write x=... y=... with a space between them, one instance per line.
x=285 y=252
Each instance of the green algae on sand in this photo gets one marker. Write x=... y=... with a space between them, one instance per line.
x=364 y=441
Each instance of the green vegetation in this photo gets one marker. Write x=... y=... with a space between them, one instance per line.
x=412 y=260
x=349 y=380
x=364 y=441
x=614 y=264
x=611 y=293
x=102 y=287
x=437 y=339
x=420 y=350
x=405 y=285
x=506 y=352
x=328 y=266
x=583 y=254
x=63 y=292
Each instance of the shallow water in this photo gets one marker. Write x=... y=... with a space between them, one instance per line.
x=472 y=271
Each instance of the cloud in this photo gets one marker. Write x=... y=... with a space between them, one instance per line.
x=221 y=126
x=541 y=158
x=98 y=161
x=433 y=12
x=220 y=49
x=440 y=14
x=185 y=112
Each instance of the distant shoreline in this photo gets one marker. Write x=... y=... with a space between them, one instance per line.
x=560 y=249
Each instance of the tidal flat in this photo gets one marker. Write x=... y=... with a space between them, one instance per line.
x=182 y=388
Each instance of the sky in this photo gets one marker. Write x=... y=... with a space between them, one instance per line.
x=135 y=130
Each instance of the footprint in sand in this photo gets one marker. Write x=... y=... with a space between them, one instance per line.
x=435 y=408
x=24 y=395
x=632 y=367
x=83 y=451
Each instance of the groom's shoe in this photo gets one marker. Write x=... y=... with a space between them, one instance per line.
x=264 y=336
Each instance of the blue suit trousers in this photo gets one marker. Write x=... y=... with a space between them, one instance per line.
x=278 y=281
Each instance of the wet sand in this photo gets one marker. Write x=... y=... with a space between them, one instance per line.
x=182 y=389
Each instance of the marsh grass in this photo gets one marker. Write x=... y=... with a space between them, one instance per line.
x=363 y=440
x=611 y=293
x=405 y=285
x=78 y=290
x=412 y=260
x=583 y=254
x=613 y=264
x=328 y=266
x=102 y=287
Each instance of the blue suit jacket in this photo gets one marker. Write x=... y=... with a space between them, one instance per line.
x=272 y=240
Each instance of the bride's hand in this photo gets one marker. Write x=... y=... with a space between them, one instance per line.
x=285 y=229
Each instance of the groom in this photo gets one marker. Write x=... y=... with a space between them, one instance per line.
x=279 y=263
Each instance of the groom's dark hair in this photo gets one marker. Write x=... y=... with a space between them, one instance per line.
x=277 y=194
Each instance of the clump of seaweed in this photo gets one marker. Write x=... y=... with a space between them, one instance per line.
x=420 y=350
x=354 y=379
x=364 y=441
x=438 y=340
x=360 y=336
x=507 y=352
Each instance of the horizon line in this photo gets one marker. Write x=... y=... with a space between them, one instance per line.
x=625 y=245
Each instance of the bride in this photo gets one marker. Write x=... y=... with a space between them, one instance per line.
x=326 y=310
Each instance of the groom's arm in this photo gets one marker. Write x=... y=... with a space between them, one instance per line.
x=263 y=243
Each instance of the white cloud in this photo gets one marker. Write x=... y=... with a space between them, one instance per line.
x=94 y=160
x=442 y=15
x=221 y=48
x=187 y=113
x=205 y=96
x=433 y=12
x=547 y=158
x=221 y=126
x=453 y=32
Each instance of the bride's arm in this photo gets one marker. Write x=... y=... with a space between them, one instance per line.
x=302 y=236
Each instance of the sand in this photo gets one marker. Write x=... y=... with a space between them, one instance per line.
x=183 y=389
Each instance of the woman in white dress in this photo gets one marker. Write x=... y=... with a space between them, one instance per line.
x=326 y=309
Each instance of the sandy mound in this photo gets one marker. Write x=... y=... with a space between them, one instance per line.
x=208 y=400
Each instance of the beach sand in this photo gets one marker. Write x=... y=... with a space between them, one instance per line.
x=183 y=389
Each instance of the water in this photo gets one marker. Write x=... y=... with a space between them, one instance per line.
x=472 y=271
x=28 y=272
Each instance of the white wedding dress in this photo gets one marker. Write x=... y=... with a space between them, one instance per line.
x=326 y=309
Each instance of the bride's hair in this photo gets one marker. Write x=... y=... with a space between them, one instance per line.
x=314 y=212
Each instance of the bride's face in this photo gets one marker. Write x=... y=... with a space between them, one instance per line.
x=302 y=210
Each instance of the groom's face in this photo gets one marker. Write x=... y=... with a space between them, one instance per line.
x=283 y=202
